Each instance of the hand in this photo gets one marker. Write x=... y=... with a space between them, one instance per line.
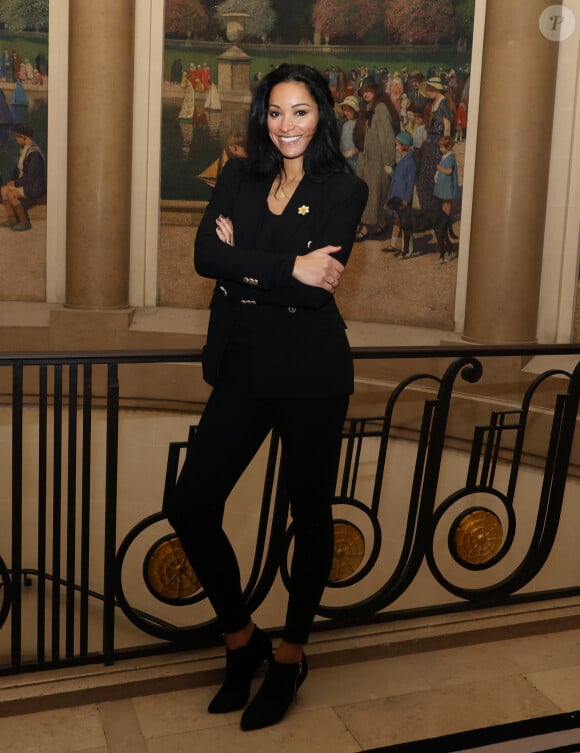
x=225 y=230
x=388 y=169
x=319 y=268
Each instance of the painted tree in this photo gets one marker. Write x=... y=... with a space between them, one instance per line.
x=183 y=17
x=465 y=10
x=345 y=18
x=259 y=22
x=24 y=14
x=420 y=21
x=293 y=19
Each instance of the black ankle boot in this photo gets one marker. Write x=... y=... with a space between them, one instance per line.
x=275 y=696
x=241 y=666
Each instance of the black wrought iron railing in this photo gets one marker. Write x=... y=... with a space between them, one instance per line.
x=461 y=492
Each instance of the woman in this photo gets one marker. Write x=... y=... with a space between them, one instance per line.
x=276 y=235
x=438 y=121
x=377 y=124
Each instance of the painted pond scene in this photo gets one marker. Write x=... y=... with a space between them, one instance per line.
x=215 y=54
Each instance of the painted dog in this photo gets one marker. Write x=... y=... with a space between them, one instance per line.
x=418 y=221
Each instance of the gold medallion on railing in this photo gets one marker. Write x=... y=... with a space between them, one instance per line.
x=349 y=551
x=478 y=537
x=168 y=570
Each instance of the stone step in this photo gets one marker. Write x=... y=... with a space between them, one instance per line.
x=95 y=683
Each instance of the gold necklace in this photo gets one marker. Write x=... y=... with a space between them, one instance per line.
x=281 y=193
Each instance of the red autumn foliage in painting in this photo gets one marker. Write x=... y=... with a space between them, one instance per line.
x=340 y=18
x=184 y=16
x=419 y=21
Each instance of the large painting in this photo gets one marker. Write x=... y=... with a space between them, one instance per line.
x=23 y=141
x=416 y=54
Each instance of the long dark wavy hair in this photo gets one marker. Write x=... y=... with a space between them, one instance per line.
x=323 y=155
x=365 y=116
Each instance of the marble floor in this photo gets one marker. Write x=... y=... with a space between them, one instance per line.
x=343 y=707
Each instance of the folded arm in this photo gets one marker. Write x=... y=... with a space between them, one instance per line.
x=282 y=279
x=215 y=258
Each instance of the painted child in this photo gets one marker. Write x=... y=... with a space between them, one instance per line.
x=350 y=108
x=419 y=134
x=235 y=145
x=461 y=120
x=446 y=183
x=402 y=182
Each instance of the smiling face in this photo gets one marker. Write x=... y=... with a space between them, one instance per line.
x=292 y=118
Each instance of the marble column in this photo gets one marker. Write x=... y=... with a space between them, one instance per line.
x=511 y=174
x=99 y=154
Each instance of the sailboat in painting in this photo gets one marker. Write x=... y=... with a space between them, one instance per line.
x=210 y=174
x=212 y=99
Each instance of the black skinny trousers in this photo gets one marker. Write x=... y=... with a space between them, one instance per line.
x=232 y=428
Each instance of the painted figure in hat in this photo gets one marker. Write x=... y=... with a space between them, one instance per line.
x=413 y=91
x=438 y=124
x=350 y=107
x=28 y=180
x=377 y=124
x=402 y=182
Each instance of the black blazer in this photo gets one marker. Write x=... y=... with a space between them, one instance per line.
x=299 y=341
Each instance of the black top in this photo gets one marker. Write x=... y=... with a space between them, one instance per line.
x=297 y=333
